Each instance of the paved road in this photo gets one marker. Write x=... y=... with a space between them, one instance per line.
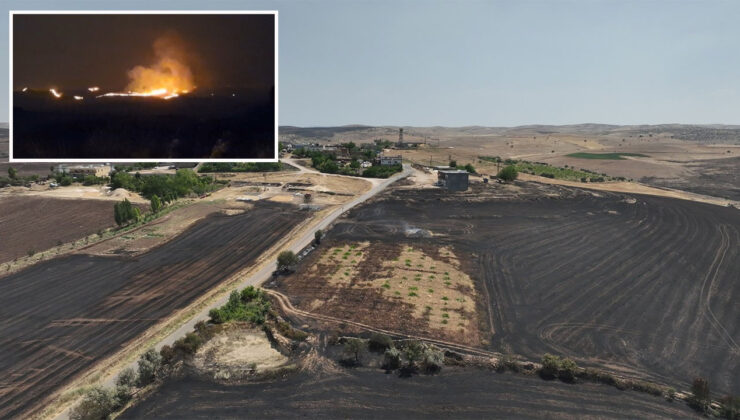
x=266 y=271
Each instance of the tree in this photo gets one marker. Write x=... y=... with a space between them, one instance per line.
x=12 y=172
x=700 y=393
x=98 y=403
x=413 y=352
x=470 y=168
x=149 y=366
x=317 y=236
x=286 y=261
x=508 y=174
x=156 y=203
x=355 y=347
x=124 y=212
x=127 y=377
x=453 y=164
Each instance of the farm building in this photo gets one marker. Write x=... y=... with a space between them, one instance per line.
x=100 y=171
x=390 y=160
x=453 y=180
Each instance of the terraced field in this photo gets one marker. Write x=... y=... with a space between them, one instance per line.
x=642 y=285
x=455 y=393
x=63 y=315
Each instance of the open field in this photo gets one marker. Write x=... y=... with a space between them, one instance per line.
x=361 y=393
x=63 y=315
x=397 y=286
x=644 y=286
x=31 y=223
x=670 y=153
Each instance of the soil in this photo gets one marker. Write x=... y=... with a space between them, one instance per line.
x=645 y=285
x=63 y=315
x=364 y=393
x=237 y=351
x=39 y=223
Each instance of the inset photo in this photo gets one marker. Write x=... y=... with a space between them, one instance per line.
x=143 y=86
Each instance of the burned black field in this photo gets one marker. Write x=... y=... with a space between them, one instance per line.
x=643 y=286
x=361 y=393
x=62 y=316
x=233 y=123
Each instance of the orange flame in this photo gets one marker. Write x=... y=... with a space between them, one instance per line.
x=168 y=77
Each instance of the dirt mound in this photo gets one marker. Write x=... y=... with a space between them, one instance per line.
x=237 y=352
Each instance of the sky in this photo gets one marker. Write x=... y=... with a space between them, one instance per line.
x=78 y=51
x=489 y=63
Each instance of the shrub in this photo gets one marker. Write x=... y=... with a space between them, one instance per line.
x=127 y=377
x=379 y=342
x=433 y=359
x=550 y=366
x=392 y=358
x=568 y=370
x=470 y=168
x=167 y=353
x=149 y=365
x=355 y=347
x=188 y=344
x=730 y=408
x=156 y=203
x=97 y=403
x=508 y=173
x=251 y=305
x=123 y=212
x=122 y=394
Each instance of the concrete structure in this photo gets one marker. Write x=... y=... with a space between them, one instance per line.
x=390 y=160
x=100 y=171
x=453 y=180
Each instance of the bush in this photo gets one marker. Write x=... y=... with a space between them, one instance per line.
x=433 y=359
x=156 y=204
x=550 y=366
x=123 y=212
x=355 y=347
x=167 y=353
x=286 y=261
x=508 y=173
x=251 y=305
x=188 y=344
x=470 y=168
x=730 y=407
x=149 y=366
x=97 y=403
x=127 y=377
x=381 y=171
x=392 y=359
x=379 y=342
x=568 y=370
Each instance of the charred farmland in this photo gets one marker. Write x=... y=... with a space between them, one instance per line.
x=643 y=286
x=64 y=315
x=454 y=393
x=222 y=123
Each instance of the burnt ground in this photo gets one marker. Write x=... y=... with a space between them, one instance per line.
x=62 y=316
x=38 y=223
x=715 y=177
x=192 y=126
x=645 y=286
x=363 y=393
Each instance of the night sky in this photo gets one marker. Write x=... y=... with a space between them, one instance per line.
x=77 y=51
